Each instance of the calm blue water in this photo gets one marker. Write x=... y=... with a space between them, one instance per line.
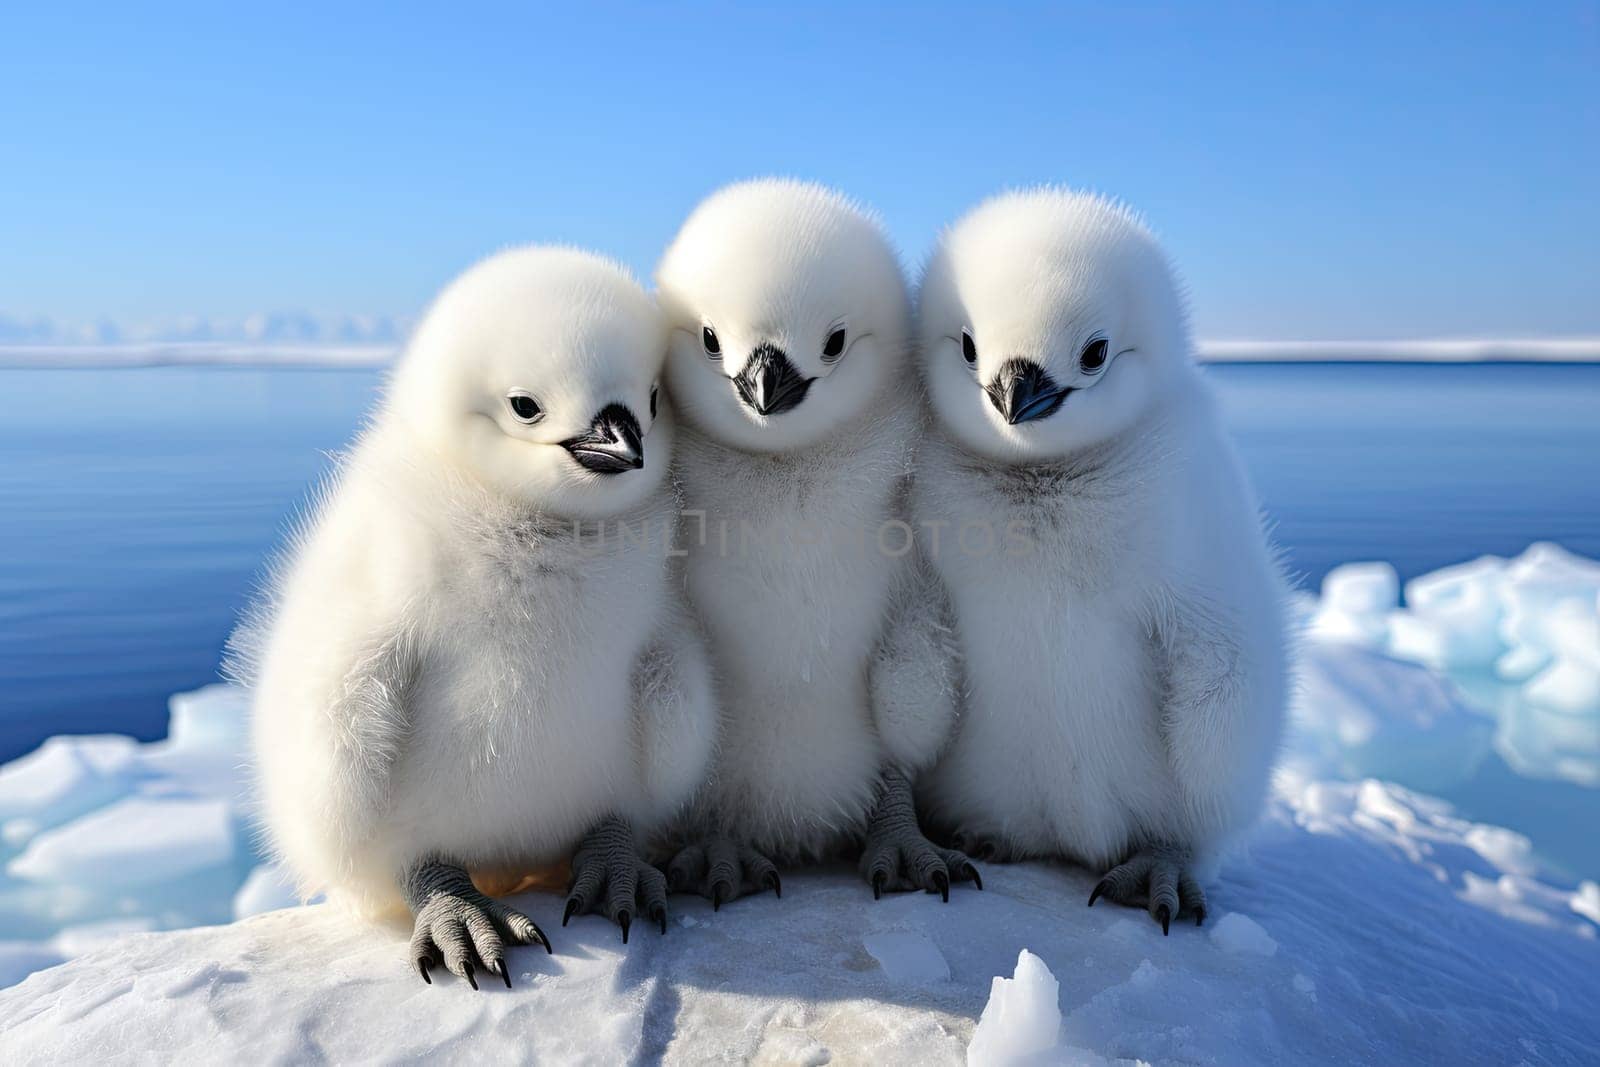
x=136 y=506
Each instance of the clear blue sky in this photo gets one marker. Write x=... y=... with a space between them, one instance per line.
x=1322 y=171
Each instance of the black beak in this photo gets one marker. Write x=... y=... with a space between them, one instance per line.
x=1022 y=392
x=612 y=445
x=769 y=383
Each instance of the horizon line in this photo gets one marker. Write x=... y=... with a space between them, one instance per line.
x=78 y=355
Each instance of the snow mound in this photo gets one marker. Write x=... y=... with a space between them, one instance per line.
x=1356 y=601
x=105 y=829
x=1519 y=638
x=137 y=841
x=1361 y=714
x=1367 y=923
x=268 y=888
x=1240 y=934
x=65 y=777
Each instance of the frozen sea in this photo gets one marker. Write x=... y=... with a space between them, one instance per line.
x=138 y=506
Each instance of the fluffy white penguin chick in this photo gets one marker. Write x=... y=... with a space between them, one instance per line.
x=788 y=360
x=1125 y=652
x=463 y=665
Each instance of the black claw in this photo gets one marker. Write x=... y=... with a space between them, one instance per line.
x=624 y=920
x=1164 y=916
x=1101 y=888
x=771 y=882
x=1199 y=916
x=659 y=914
x=717 y=892
x=545 y=941
x=505 y=972
x=941 y=882
x=878 y=880
x=422 y=966
x=977 y=879
x=472 y=979
x=572 y=906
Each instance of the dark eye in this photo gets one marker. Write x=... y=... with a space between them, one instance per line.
x=834 y=348
x=969 y=349
x=708 y=338
x=524 y=407
x=1094 y=356
x=653 y=390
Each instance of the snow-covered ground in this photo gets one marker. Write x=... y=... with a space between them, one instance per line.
x=1364 y=922
x=1364 y=925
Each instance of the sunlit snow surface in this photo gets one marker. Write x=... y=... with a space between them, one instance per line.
x=1363 y=925
x=1363 y=922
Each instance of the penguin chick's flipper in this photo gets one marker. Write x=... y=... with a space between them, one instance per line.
x=898 y=857
x=720 y=870
x=609 y=877
x=457 y=924
x=1158 y=879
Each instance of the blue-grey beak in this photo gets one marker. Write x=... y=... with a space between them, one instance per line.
x=769 y=384
x=612 y=445
x=1022 y=391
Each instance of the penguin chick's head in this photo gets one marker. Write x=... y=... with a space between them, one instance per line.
x=535 y=373
x=1048 y=321
x=788 y=315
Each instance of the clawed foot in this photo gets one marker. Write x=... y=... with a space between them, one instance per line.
x=720 y=871
x=896 y=862
x=897 y=857
x=609 y=877
x=1157 y=879
x=457 y=925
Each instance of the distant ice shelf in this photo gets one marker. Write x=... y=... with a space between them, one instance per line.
x=195 y=354
x=1447 y=350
